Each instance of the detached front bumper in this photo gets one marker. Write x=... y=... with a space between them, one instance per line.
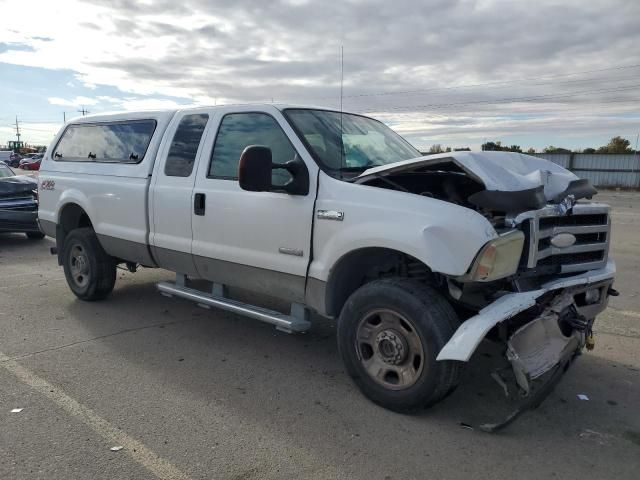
x=570 y=292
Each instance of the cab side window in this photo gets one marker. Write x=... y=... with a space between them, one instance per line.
x=239 y=130
x=184 y=147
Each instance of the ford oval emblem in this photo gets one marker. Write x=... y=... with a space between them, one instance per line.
x=563 y=240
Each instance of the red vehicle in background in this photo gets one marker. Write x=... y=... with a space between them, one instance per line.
x=31 y=162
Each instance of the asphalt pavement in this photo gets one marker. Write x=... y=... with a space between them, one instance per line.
x=203 y=394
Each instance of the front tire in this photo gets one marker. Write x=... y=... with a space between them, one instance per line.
x=89 y=270
x=389 y=334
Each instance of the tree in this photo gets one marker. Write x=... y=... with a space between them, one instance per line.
x=589 y=150
x=436 y=148
x=531 y=150
x=497 y=146
x=462 y=149
x=616 y=145
x=552 y=149
x=492 y=146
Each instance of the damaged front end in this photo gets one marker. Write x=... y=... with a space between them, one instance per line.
x=538 y=346
x=563 y=282
x=573 y=301
x=537 y=287
x=541 y=331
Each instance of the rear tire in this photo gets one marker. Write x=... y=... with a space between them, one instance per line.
x=35 y=235
x=389 y=334
x=90 y=271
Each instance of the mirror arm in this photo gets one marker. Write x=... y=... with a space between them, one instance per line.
x=299 y=183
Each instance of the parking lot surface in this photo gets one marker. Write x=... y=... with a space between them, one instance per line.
x=193 y=394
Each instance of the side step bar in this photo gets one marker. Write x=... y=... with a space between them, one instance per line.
x=298 y=321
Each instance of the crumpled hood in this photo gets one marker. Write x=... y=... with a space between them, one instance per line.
x=497 y=171
x=10 y=186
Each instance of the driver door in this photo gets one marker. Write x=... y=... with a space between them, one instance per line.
x=255 y=240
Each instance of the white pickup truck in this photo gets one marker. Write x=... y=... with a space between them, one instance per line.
x=418 y=257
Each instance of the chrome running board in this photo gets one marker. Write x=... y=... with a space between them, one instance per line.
x=298 y=321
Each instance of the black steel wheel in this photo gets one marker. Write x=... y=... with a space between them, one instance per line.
x=89 y=270
x=389 y=334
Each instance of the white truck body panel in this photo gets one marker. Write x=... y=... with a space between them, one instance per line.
x=250 y=228
x=171 y=197
x=275 y=242
x=114 y=195
x=422 y=227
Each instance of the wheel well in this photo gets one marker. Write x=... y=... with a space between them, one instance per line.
x=364 y=265
x=72 y=216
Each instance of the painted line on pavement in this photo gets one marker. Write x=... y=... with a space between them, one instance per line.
x=142 y=455
x=628 y=313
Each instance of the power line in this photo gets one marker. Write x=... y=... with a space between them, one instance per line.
x=558 y=108
x=505 y=100
x=31 y=120
x=37 y=129
x=445 y=90
x=472 y=85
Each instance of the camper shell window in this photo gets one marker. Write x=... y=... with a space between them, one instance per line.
x=117 y=142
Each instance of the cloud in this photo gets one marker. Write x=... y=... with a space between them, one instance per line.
x=75 y=102
x=289 y=51
x=16 y=47
x=149 y=104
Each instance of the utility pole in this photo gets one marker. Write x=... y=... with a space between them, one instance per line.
x=17 y=132
x=637 y=162
x=83 y=111
x=64 y=117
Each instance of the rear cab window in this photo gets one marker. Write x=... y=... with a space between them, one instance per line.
x=115 y=142
x=184 y=147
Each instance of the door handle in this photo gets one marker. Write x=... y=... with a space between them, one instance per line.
x=199 y=203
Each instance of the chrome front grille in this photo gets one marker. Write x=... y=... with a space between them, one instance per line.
x=588 y=223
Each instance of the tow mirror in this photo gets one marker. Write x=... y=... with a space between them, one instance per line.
x=254 y=172
x=254 y=169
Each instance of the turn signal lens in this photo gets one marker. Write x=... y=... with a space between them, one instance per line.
x=499 y=258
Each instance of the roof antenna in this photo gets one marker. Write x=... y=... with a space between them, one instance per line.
x=341 y=74
x=342 y=156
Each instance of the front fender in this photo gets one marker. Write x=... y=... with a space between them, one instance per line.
x=444 y=236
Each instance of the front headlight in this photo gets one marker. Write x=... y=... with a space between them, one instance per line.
x=497 y=259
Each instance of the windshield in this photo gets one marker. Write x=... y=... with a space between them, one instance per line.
x=343 y=142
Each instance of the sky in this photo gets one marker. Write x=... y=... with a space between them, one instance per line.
x=455 y=73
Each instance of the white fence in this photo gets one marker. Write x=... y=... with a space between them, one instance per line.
x=602 y=169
